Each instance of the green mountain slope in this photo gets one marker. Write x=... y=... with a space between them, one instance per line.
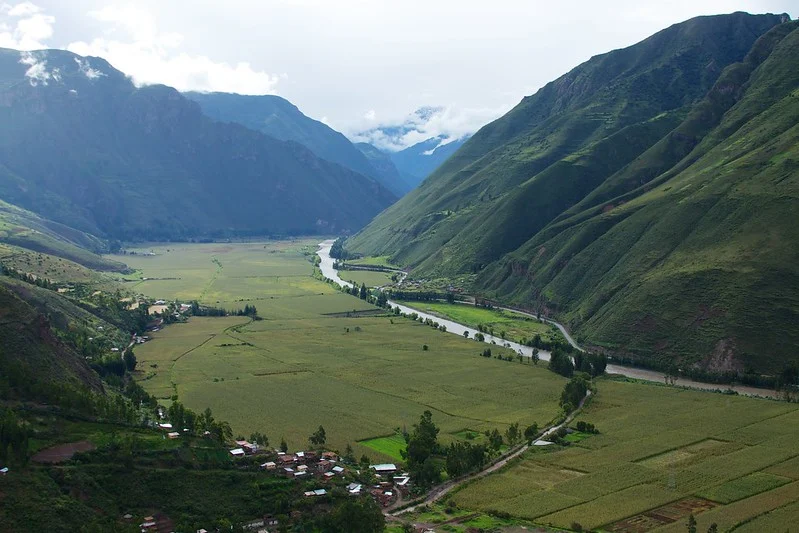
x=81 y=145
x=35 y=362
x=645 y=198
x=279 y=118
x=25 y=229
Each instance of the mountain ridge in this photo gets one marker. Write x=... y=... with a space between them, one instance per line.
x=522 y=203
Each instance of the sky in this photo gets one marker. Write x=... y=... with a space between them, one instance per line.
x=357 y=65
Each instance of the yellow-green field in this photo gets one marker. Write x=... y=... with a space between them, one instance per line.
x=306 y=363
x=514 y=325
x=223 y=274
x=368 y=277
x=661 y=452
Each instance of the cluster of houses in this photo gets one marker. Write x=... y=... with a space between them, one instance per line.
x=325 y=466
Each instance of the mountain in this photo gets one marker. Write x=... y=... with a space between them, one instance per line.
x=646 y=198
x=279 y=118
x=417 y=162
x=383 y=163
x=81 y=145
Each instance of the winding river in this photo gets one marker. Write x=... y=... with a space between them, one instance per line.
x=326 y=266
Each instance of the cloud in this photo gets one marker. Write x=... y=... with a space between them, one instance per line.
x=447 y=123
x=37 y=72
x=87 y=70
x=134 y=44
x=24 y=27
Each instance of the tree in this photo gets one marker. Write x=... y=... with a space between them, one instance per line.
x=561 y=363
x=283 y=446
x=512 y=434
x=574 y=391
x=422 y=444
x=130 y=360
x=691 y=523
x=260 y=439
x=713 y=528
x=466 y=334
x=530 y=432
x=318 y=438
x=363 y=292
x=349 y=455
x=361 y=515
x=494 y=439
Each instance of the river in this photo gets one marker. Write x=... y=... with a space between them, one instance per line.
x=326 y=266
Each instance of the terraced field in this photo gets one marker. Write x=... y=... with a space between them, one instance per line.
x=662 y=454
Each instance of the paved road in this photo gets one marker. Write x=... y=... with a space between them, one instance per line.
x=445 y=488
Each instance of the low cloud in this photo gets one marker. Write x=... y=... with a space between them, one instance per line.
x=37 y=72
x=446 y=123
x=87 y=70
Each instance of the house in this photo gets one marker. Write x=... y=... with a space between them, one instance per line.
x=317 y=492
x=329 y=456
x=237 y=452
x=329 y=475
x=337 y=470
x=302 y=468
x=165 y=426
x=286 y=459
x=173 y=434
x=288 y=472
x=160 y=302
x=300 y=474
x=3 y=471
x=269 y=465
x=384 y=468
x=354 y=488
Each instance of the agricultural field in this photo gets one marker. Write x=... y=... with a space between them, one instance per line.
x=223 y=274
x=314 y=359
x=662 y=454
x=515 y=325
x=369 y=277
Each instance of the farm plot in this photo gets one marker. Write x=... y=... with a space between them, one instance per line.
x=368 y=277
x=662 y=454
x=315 y=359
x=515 y=326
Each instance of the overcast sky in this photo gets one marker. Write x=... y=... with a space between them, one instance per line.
x=356 y=64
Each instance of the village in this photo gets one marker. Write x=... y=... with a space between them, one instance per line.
x=319 y=471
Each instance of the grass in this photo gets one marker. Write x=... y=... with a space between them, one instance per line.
x=370 y=278
x=657 y=445
x=382 y=260
x=515 y=325
x=392 y=446
x=307 y=363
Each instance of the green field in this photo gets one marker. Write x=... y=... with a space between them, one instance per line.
x=515 y=325
x=658 y=445
x=392 y=446
x=306 y=363
x=369 y=277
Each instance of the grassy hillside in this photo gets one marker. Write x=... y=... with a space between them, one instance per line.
x=644 y=198
x=30 y=231
x=436 y=227
x=90 y=150
x=35 y=362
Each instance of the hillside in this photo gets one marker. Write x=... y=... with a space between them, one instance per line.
x=35 y=362
x=279 y=118
x=81 y=145
x=601 y=199
x=27 y=230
